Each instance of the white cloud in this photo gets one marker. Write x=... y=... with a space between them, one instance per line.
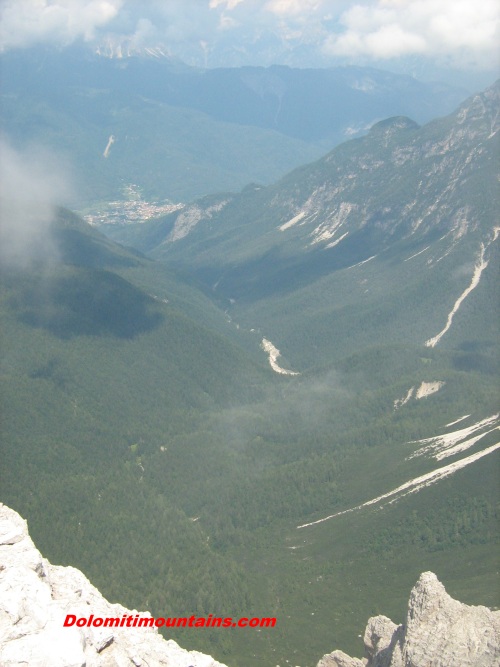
x=466 y=31
x=263 y=32
x=227 y=22
x=291 y=7
x=33 y=181
x=388 y=41
x=226 y=4
x=25 y=22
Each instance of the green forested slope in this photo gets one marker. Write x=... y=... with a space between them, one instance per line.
x=168 y=152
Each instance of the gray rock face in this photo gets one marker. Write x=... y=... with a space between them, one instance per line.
x=439 y=632
x=340 y=659
x=35 y=598
x=378 y=637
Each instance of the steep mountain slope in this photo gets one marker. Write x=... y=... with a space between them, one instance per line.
x=374 y=272
x=248 y=490
x=102 y=379
x=385 y=238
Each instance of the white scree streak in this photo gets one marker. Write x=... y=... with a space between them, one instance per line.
x=360 y=263
x=460 y=419
x=111 y=141
x=462 y=446
x=424 y=390
x=414 y=485
x=438 y=444
x=399 y=402
x=428 y=388
x=274 y=353
x=292 y=222
x=481 y=264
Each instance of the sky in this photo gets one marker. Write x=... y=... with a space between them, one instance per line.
x=421 y=37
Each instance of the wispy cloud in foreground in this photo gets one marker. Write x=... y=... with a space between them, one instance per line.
x=32 y=183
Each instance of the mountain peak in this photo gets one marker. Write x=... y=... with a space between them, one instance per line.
x=482 y=108
x=393 y=125
x=438 y=631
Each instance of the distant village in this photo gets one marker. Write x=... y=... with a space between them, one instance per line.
x=131 y=209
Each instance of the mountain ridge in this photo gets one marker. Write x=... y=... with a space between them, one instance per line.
x=398 y=205
x=481 y=121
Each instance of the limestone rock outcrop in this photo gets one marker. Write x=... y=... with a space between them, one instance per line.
x=439 y=632
x=35 y=598
x=340 y=659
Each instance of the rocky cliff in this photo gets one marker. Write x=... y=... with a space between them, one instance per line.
x=438 y=632
x=35 y=598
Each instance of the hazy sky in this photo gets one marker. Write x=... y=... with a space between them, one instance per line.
x=419 y=34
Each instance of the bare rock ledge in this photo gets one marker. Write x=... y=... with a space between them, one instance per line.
x=35 y=597
x=439 y=632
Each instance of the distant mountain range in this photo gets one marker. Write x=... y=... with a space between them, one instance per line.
x=180 y=132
